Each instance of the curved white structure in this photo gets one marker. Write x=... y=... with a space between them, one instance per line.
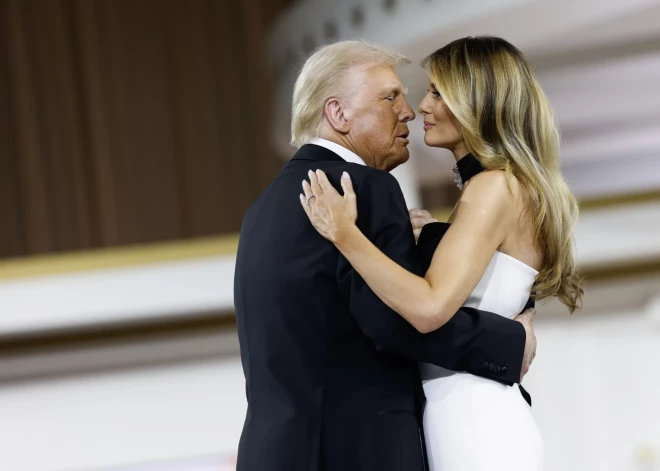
x=598 y=60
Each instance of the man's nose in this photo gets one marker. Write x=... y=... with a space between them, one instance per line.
x=407 y=114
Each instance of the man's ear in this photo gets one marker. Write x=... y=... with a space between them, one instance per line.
x=336 y=116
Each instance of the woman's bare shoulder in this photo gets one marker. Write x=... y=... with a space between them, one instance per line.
x=494 y=186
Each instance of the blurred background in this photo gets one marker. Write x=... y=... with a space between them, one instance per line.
x=134 y=134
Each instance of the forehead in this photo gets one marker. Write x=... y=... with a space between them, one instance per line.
x=377 y=78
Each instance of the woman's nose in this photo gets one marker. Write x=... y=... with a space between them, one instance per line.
x=422 y=108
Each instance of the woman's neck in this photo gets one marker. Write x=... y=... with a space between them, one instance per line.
x=459 y=152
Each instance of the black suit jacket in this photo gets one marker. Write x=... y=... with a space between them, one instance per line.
x=331 y=372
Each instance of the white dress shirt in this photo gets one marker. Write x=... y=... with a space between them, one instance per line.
x=341 y=151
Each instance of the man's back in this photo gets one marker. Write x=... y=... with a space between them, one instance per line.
x=320 y=395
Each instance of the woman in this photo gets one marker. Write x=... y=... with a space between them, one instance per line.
x=509 y=235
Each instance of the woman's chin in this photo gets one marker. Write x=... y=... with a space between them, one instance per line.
x=431 y=142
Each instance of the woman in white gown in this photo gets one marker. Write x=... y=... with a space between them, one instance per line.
x=509 y=235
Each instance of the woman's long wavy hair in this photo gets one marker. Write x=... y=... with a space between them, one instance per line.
x=508 y=124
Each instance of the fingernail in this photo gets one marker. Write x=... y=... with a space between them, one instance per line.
x=303 y=183
x=345 y=175
x=310 y=173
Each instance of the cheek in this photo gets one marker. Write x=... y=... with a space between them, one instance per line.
x=440 y=113
x=380 y=127
x=446 y=123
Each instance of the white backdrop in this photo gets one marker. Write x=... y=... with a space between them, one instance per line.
x=595 y=386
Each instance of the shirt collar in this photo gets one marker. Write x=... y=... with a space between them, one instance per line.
x=341 y=151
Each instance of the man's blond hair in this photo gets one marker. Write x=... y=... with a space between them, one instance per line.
x=324 y=75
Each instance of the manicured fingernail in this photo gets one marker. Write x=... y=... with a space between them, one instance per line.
x=310 y=173
x=304 y=182
x=345 y=175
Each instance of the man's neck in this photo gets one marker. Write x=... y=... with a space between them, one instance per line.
x=346 y=143
x=343 y=152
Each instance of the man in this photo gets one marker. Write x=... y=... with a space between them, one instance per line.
x=331 y=372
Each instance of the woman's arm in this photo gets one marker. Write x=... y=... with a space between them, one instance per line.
x=478 y=229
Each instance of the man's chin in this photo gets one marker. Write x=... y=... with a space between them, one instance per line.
x=397 y=160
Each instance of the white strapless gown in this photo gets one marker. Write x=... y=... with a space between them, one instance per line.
x=476 y=424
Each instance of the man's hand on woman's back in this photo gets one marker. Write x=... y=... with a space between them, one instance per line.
x=526 y=319
x=420 y=218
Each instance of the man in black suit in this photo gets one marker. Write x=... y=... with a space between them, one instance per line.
x=331 y=372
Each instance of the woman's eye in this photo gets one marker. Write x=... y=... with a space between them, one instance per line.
x=436 y=93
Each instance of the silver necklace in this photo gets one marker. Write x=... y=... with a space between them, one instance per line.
x=457 y=178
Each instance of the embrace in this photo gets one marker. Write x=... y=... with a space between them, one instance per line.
x=374 y=338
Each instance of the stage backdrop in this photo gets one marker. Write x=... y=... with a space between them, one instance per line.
x=130 y=121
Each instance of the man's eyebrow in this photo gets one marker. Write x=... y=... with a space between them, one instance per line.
x=398 y=89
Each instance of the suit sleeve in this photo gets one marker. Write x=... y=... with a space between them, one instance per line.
x=478 y=342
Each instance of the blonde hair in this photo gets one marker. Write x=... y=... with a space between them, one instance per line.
x=324 y=76
x=508 y=124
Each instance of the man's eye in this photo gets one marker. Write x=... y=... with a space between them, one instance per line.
x=390 y=98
